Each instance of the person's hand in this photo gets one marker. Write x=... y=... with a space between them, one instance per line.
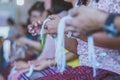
x=52 y=25
x=34 y=28
x=21 y=42
x=85 y=21
x=42 y=64
x=21 y=65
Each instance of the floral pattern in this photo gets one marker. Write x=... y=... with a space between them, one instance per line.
x=107 y=59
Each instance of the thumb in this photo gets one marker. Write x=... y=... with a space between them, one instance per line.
x=74 y=12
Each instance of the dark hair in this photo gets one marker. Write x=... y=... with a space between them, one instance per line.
x=10 y=21
x=84 y=2
x=59 y=5
x=38 y=6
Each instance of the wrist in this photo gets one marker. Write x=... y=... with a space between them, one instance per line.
x=51 y=62
x=117 y=23
x=109 y=27
x=102 y=19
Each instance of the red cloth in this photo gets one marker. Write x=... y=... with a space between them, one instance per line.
x=81 y=73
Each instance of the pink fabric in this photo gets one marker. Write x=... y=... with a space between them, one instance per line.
x=107 y=59
x=49 y=48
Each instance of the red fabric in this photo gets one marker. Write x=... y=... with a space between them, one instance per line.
x=81 y=73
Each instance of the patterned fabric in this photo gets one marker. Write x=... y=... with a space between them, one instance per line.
x=107 y=59
x=112 y=6
x=81 y=73
x=43 y=73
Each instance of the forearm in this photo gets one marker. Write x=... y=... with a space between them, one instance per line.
x=101 y=39
x=71 y=56
x=71 y=44
x=34 y=44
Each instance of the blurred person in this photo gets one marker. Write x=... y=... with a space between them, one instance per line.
x=10 y=22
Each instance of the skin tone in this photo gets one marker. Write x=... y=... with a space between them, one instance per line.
x=101 y=36
x=84 y=17
x=35 y=16
x=117 y=23
x=101 y=39
x=35 y=28
x=41 y=64
x=32 y=44
x=88 y=23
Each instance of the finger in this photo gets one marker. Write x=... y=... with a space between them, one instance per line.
x=74 y=12
x=39 y=23
x=69 y=29
x=52 y=17
x=34 y=34
x=30 y=27
x=72 y=23
x=38 y=68
x=76 y=34
x=34 y=23
x=38 y=31
x=32 y=31
x=46 y=31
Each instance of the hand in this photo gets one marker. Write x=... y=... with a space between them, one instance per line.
x=21 y=65
x=34 y=28
x=85 y=21
x=42 y=64
x=51 y=26
x=21 y=42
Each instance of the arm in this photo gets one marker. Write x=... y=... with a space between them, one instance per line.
x=83 y=22
x=33 y=44
x=71 y=44
x=71 y=56
x=101 y=39
x=49 y=48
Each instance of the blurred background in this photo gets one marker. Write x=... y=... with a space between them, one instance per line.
x=13 y=13
x=16 y=9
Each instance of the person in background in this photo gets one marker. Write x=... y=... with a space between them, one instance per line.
x=10 y=22
x=44 y=58
x=2 y=60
